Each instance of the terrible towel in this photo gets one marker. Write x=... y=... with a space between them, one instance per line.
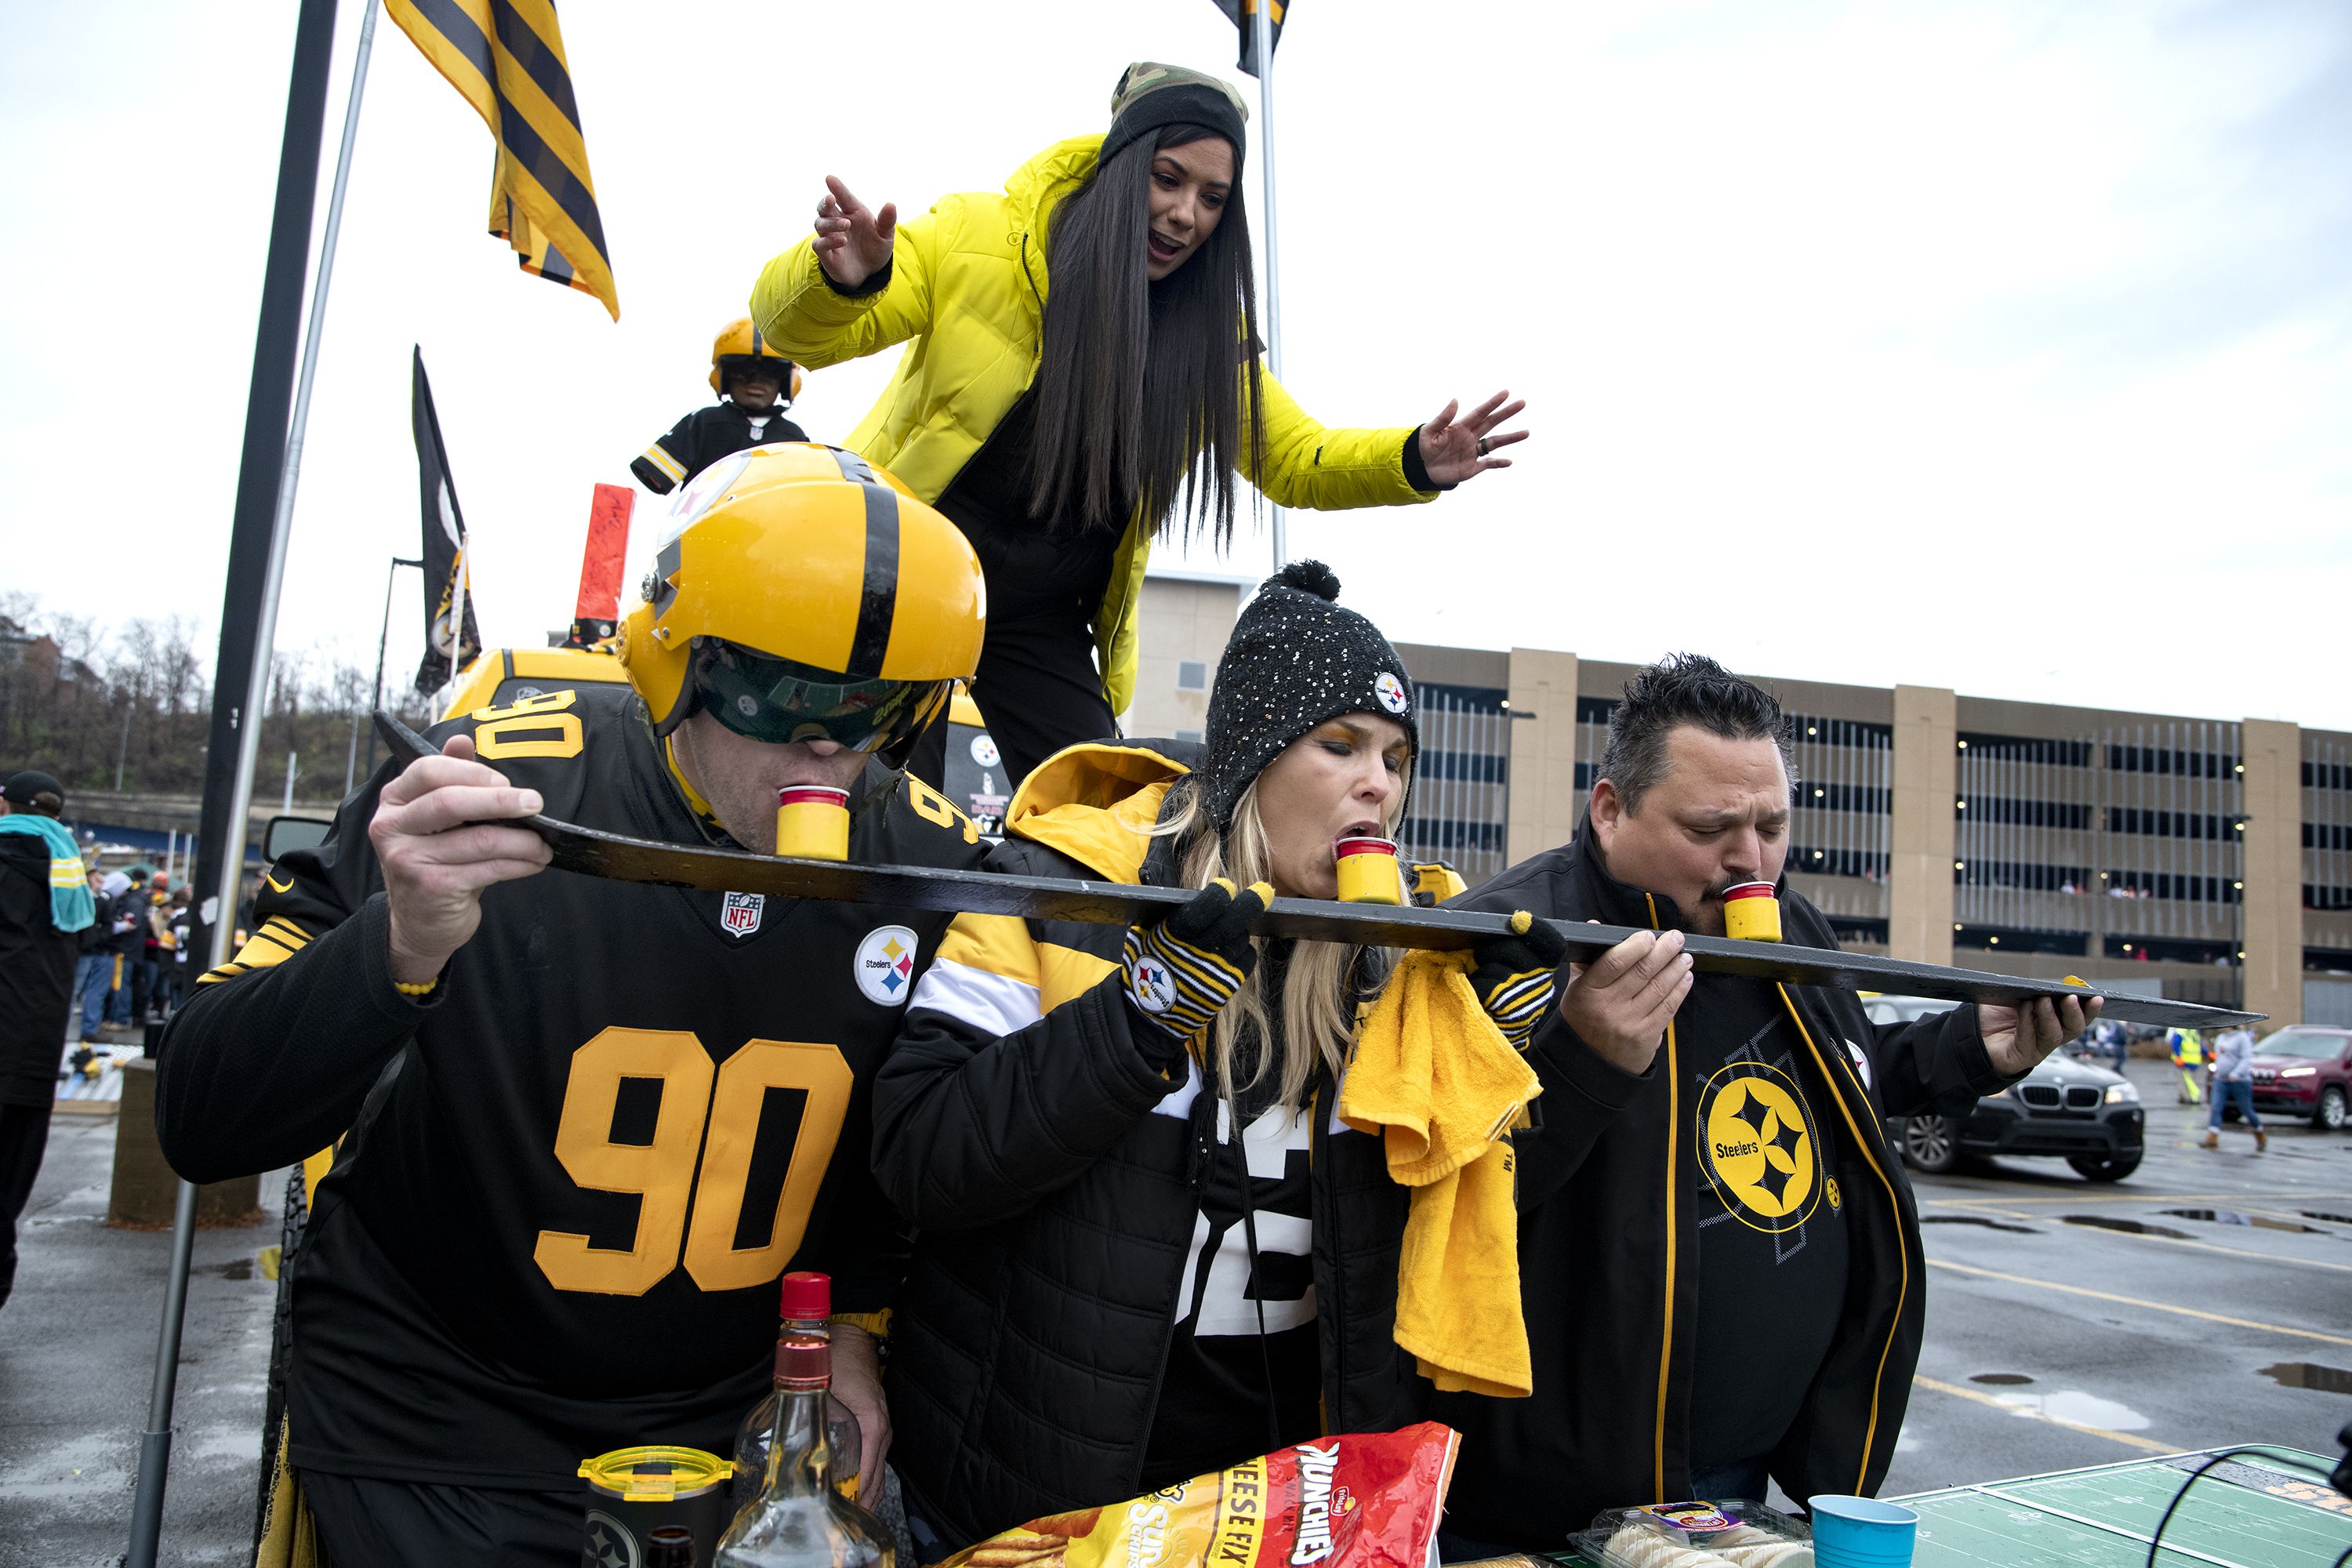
x=1434 y=1077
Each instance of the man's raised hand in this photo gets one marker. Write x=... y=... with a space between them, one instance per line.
x=852 y=241
x=437 y=834
x=1621 y=1003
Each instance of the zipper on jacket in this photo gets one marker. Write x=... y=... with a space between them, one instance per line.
x=1674 y=1260
x=1902 y=1234
x=1201 y=1138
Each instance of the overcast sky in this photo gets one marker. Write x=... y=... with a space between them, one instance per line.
x=2002 y=347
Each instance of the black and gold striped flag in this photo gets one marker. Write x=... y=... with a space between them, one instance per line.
x=1243 y=13
x=506 y=59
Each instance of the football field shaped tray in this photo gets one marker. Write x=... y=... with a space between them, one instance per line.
x=593 y=853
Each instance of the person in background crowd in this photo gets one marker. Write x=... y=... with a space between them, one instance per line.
x=44 y=901
x=183 y=924
x=129 y=919
x=2188 y=1049
x=1083 y=377
x=147 y=1005
x=94 y=965
x=2114 y=1040
x=750 y=377
x=1720 y=1253
x=2233 y=1084
x=1114 y=1290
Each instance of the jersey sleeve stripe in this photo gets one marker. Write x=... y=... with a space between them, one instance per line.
x=992 y=1004
x=658 y=456
x=262 y=950
x=283 y=932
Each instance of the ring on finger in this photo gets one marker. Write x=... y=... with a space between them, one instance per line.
x=1481 y=446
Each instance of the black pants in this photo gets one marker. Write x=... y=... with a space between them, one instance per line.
x=1037 y=687
x=372 y=1523
x=24 y=1139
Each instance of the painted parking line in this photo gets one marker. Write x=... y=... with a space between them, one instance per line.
x=2189 y=1242
x=2128 y=1439
x=2235 y=1200
x=2138 y=1301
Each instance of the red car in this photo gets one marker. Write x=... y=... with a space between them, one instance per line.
x=2305 y=1071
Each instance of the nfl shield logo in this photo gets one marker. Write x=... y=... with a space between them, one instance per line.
x=739 y=915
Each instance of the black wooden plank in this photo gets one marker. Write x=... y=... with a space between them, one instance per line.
x=593 y=853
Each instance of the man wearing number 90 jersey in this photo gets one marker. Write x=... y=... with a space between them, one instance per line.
x=591 y=1122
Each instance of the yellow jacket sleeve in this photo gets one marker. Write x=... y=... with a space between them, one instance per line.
x=1309 y=463
x=798 y=310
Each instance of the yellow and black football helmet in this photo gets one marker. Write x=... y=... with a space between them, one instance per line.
x=801 y=594
x=739 y=346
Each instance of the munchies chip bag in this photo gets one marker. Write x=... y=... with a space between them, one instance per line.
x=1363 y=1500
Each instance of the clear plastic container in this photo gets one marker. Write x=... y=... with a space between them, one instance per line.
x=1735 y=1532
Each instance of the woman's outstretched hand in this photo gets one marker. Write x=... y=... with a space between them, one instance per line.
x=852 y=241
x=1452 y=449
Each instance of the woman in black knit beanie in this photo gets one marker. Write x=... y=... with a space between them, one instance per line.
x=1113 y=1290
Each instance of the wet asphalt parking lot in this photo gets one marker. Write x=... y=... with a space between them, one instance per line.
x=2206 y=1299
x=2069 y=1324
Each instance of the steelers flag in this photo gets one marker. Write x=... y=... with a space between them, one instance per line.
x=451 y=640
x=1243 y=13
x=506 y=59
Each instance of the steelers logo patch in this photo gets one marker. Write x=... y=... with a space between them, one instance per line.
x=1390 y=690
x=1153 y=988
x=1759 y=1148
x=884 y=965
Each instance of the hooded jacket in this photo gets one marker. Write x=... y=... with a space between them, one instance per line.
x=1051 y=1173
x=1609 y=1243
x=966 y=290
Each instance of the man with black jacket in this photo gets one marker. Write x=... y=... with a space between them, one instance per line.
x=1719 y=1252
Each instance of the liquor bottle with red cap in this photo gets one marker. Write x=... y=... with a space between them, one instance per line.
x=806 y=1309
x=799 y=1520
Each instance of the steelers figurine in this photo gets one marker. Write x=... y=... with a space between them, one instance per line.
x=755 y=385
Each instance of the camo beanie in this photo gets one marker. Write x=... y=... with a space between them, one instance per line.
x=1295 y=660
x=1149 y=96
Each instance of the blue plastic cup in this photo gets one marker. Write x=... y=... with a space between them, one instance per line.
x=1861 y=1533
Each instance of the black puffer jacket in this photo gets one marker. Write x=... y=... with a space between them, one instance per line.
x=1014 y=1125
x=1609 y=1246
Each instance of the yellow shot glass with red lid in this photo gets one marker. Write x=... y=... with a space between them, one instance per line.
x=1368 y=870
x=1750 y=912
x=813 y=822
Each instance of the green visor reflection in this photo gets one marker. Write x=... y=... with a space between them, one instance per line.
x=780 y=702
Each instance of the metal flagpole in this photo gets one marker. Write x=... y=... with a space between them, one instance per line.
x=382 y=638
x=314 y=44
x=1260 y=20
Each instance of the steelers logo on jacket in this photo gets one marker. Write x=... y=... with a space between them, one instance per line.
x=1757 y=1146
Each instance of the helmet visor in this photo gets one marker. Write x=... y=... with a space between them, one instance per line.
x=780 y=702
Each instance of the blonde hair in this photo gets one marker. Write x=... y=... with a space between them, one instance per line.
x=1317 y=1002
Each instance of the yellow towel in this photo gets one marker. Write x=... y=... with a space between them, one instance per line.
x=1434 y=1077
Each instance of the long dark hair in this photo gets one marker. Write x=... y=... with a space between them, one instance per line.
x=1138 y=395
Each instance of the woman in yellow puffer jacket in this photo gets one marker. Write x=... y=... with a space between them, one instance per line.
x=1063 y=430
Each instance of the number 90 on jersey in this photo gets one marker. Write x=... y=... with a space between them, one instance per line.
x=691 y=1177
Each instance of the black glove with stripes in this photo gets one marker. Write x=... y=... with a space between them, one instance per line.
x=1513 y=976
x=1178 y=974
